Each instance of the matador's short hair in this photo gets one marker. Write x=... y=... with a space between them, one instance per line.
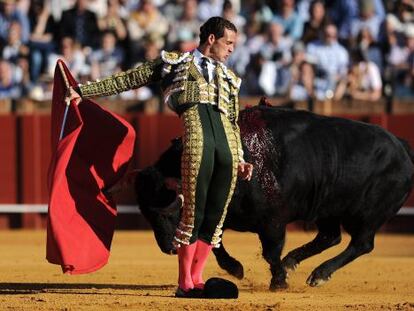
x=215 y=25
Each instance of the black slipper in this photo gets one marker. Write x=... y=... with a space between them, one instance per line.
x=191 y=293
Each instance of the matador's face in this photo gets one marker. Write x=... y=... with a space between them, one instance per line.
x=222 y=48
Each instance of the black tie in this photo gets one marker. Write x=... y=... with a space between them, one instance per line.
x=204 y=69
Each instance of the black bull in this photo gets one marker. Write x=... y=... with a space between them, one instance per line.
x=330 y=171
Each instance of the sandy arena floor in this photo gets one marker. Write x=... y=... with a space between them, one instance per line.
x=140 y=277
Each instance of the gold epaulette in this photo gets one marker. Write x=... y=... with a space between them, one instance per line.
x=174 y=58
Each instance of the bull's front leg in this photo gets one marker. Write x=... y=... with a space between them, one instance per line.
x=272 y=237
x=228 y=263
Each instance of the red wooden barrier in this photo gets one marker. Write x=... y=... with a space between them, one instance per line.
x=154 y=134
x=8 y=159
x=36 y=153
x=403 y=126
x=35 y=156
x=8 y=164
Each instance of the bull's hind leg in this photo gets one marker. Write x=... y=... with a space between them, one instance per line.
x=362 y=242
x=329 y=235
x=228 y=263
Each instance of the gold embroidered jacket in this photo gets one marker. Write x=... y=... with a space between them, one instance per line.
x=182 y=85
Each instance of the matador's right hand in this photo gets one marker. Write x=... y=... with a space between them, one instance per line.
x=245 y=171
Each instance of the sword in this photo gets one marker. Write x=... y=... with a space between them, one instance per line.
x=67 y=100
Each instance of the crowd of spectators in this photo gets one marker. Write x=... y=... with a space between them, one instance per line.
x=333 y=49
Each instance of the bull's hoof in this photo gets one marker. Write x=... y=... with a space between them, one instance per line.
x=289 y=264
x=236 y=270
x=316 y=279
x=278 y=286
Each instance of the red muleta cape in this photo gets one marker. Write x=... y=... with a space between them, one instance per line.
x=93 y=155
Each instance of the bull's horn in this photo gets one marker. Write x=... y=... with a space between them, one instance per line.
x=174 y=206
x=124 y=183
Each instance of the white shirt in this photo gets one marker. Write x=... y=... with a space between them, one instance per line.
x=371 y=78
x=211 y=64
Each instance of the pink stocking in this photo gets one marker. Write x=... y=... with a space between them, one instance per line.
x=199 y=262
x=185 y=259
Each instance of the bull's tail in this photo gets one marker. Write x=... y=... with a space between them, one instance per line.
x=408 y=148
x=410 y=152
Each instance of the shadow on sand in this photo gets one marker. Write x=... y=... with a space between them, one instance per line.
x=76 y=288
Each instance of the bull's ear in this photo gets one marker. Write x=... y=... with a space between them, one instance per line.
x=264 y=101
x=176 y=140
x=177 y=143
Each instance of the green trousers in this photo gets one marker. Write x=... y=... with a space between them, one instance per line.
x=209 y=172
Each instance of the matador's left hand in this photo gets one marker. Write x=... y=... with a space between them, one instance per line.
x=245 y=170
